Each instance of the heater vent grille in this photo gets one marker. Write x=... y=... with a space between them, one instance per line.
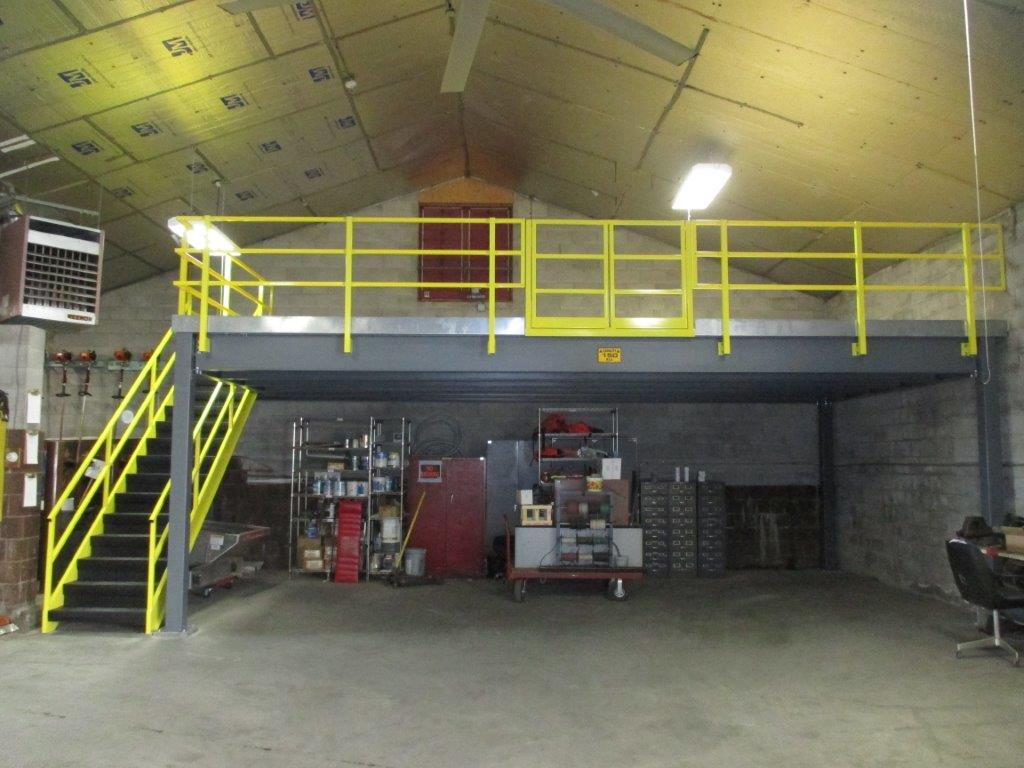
x=51 y=272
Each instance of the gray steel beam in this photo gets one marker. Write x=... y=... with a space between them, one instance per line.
x=827 y=485
x=180 y=507
x=990 y=436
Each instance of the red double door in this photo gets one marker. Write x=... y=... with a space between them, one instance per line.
x=450 y=525
x=464 y=237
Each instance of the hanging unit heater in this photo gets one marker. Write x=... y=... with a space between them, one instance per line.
x=50 y=271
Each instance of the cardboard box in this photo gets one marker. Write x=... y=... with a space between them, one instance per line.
x=524 y=498
x=1014 y=539
x=313 y=565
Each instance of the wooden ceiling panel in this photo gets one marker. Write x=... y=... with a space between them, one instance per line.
x=530 y=151
x=536 y=113
x=357 y=16
x=288 y=26
x=544 y=21
x=205 y=110
x=145 y=184
x=599 y=85
x=415 y=141
x=359 y=193
x=85 y=147
x=127 y=62
x=32 y=23
x=397 y=51
x=390 y=106
x=92 y=14
x=292 y=142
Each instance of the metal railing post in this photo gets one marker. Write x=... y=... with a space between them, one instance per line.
x=184 y=297
x=348 y=283
x=204 y=298
x=491 y=295
x=970 y=347
x=725 y=345
x=860 y=346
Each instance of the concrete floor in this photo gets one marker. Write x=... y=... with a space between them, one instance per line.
x=758 y=669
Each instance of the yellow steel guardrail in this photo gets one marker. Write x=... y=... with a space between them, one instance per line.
x=232 y=412
x=210 y=291
x=146 y=409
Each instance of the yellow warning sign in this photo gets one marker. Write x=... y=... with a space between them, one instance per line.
x=609 y=354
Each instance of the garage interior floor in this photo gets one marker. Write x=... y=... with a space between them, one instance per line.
x=756 y=669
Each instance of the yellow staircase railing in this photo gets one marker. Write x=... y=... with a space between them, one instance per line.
x=226 y=411
x=103 y=474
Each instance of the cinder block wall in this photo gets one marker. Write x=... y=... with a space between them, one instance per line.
x=742 y=444
x=907 y=471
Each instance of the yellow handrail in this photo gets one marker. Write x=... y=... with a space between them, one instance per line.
x=232 y=411
x=154 y=374
x=196 y=292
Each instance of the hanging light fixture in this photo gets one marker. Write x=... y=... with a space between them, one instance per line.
x=701 y=186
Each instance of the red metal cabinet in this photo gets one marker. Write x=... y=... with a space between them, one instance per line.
x=450 y=525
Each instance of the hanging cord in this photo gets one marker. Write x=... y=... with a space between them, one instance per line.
x=437 y=436
x=987 y=377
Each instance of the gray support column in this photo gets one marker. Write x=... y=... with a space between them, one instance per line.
x=181 y=484
x=827 y=485
x=990 y=434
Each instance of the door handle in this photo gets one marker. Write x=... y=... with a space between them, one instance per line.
x=451 y=499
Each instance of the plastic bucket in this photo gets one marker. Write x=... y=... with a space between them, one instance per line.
x=415 y=562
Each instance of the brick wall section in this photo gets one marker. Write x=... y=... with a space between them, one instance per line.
x=907 y=469
x=19 y=541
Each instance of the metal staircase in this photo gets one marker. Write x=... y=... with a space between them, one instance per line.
x=107 y=533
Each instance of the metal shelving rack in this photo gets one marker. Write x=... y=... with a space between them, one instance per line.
x=388 y=437
x=576 y=539
x=309 y=501
x=607 y=441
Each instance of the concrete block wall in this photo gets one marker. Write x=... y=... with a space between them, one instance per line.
x=907 y=471
x=742 y=444
x=906 y=476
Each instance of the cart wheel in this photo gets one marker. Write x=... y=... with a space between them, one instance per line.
x=519 y=590
x=207 y=591
x=617 y=590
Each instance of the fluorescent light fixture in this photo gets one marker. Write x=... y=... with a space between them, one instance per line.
x=701 y=185
x=199 y=236
x=16 y=143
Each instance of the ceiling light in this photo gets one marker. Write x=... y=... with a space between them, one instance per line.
x=351 y=82
x=16 y=143
x=701 y=185
x=200 y=236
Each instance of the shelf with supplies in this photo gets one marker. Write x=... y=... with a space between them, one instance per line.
x=335 y=461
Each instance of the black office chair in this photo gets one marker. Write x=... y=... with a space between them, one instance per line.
x=979 y=586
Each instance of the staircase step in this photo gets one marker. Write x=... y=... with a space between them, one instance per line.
x=125 y=617
x=147 y=482
x=102 y=568
x=135 y=501
x=132 y=522
x=105 y=594
x=161 y=463
x=163 y=428
x=120 y=545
